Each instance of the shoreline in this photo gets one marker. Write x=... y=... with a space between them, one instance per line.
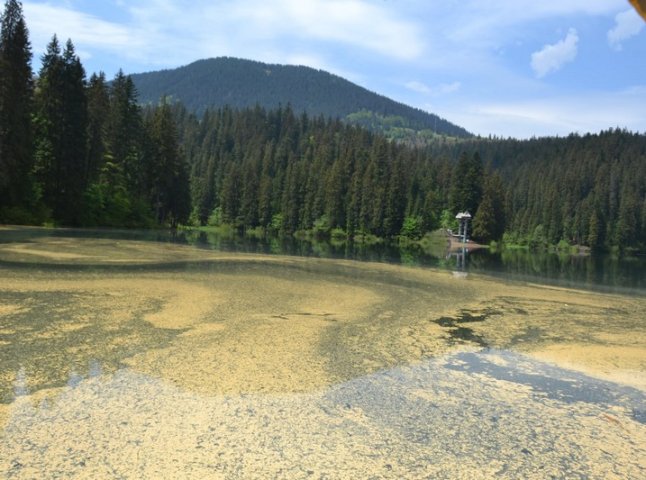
x=453 y=243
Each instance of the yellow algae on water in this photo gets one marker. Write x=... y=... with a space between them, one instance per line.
x=267 y=339
x=618 y=363
x=147 y=360
x=8 y=309
x=373 y=316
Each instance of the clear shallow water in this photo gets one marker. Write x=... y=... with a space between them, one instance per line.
x=600 y=272
x=134 y=359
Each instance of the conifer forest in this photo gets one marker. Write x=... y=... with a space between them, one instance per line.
x=79 y=150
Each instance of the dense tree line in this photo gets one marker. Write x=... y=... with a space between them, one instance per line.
x=79 y=152
x=287 y=172
x=584 y=189
x=84 y=152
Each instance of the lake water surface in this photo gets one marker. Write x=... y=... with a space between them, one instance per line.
x=125 y=355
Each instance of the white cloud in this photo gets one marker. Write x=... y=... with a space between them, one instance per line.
x=418 y=87
x=227 y=27
x=357 y=23
x=441 y=89
x=44 y=20
x=552 y=57
x=490 y=22
x=562 y=115
x=166 y=33
x=449 y=87
x=84 y=55
x=627 y=24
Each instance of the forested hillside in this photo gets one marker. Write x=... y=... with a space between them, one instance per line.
x=84 y=152
x=238 y=83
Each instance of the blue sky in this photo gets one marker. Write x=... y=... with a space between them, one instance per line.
x=518 y=68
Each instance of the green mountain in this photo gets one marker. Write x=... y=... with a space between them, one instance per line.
x=238 y=83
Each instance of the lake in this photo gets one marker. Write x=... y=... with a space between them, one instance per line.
x=143 y=355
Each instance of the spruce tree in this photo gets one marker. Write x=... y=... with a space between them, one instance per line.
x=98 y=107
x=61 y=122
x=335 y=195
x=16 y=90
x=467 y=184
x=249 y=201
x=48 y=121
x=395 y=202
x=74 y=139
x=124 y=133
x=627 y=221
x=489 y=220
x=171 y=195
x=595 y=236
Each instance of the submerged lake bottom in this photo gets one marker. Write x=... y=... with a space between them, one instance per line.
x=133 y=359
